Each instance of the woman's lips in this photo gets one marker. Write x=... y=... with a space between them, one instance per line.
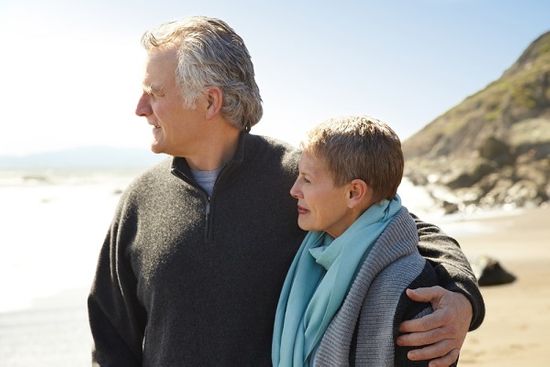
x=302 y=210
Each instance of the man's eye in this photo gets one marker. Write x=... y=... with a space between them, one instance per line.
x=306 y=180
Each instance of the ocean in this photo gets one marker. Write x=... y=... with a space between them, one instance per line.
x=53 y=223
x=52 y=227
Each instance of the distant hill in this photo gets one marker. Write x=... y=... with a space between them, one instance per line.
x=85 y=157
x=494 y=147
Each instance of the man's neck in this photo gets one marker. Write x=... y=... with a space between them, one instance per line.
x=214 y=153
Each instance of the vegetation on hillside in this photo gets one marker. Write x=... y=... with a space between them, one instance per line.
x=494 y=147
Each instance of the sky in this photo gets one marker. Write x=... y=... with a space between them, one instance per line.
x=71 y=70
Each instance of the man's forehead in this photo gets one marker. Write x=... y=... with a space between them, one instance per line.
x=159 y=61
x=162 y=54
x=160 y=69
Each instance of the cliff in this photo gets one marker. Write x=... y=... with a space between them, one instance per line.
x=493 y=148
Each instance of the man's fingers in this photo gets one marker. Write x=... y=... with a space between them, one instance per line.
x=425 y=323
x=422 y=338
x=441 y=333
x=425 y=294
x=446 y=360
x=429 y=352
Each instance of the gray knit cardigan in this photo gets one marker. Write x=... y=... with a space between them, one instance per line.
x=363 y=331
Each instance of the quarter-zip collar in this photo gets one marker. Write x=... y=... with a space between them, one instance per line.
x=180 y=168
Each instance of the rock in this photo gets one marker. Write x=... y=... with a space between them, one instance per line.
x=448 y=207
x=471 y=195
x=497 y=151
x=417 y=178
x=36 y=178
x=522 y=192
x=498 y=194
x=488 y=271
x=481 y=183
x=493 y=141
x=489 y=182
x=536 y=172
x=470 y=174
x=526 y=157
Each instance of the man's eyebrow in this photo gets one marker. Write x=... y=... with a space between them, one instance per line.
x=150 y=89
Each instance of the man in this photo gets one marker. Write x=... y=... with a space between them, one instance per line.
x=191 y=269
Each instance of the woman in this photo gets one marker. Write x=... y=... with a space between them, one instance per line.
x=344 y=295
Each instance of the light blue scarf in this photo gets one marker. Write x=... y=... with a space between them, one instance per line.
x=317 y=282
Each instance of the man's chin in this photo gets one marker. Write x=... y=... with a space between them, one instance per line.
x=157 y=148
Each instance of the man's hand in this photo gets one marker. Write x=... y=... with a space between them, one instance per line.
x=442 y=332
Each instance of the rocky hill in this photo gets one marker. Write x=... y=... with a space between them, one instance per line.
x=493 y=148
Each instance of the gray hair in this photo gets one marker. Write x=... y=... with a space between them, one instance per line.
x=211 y=54
x=359 y=147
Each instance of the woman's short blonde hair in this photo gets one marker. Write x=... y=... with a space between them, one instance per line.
x=359 y=147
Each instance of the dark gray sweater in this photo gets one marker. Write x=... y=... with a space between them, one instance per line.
x=184 y=279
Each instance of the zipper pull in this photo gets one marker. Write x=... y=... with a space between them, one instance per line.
x=207 y=211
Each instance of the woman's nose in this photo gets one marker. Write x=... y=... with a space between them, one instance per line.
x=295 y=191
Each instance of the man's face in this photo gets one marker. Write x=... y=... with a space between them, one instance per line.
x=322 y=205
x=176 y=129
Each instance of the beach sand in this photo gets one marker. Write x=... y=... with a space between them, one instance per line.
x=516 y=330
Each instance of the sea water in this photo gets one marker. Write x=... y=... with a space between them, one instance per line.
x=52 y=225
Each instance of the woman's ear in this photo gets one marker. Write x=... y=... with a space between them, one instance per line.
x=359 y=193
x=214 y=97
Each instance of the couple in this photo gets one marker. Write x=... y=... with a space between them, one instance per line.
x=192 y=271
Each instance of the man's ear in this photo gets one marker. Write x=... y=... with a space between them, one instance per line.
x=214 y=98
x=359 y=193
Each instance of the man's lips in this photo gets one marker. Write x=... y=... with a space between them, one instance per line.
x=302 y=210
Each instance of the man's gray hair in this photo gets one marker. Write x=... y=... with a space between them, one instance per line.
x=359 y=147
x=211 y=54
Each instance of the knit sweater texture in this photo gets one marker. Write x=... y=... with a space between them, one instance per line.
x=364 y=331
x=187 y=279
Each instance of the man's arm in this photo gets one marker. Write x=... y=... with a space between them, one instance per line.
x=117 y=320
x=451 y=266
x=458 y=306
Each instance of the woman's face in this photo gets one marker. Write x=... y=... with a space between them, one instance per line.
x=322 y=205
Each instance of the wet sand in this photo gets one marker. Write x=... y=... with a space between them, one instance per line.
x=516 y=330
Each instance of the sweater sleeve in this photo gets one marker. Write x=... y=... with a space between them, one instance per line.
x=451 y=266
x=412 y=311
x=409 y=310
x=117 y=320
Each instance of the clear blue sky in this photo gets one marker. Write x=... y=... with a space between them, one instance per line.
x=71 y=70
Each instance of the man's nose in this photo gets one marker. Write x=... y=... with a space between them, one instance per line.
x=143 y=107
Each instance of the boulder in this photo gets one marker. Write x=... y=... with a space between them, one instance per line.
x=498 y=194
x=488 y=271
x=470 y=174
x=471 y=195
x=497 y=151
x=448 y=207
x=522 y=192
